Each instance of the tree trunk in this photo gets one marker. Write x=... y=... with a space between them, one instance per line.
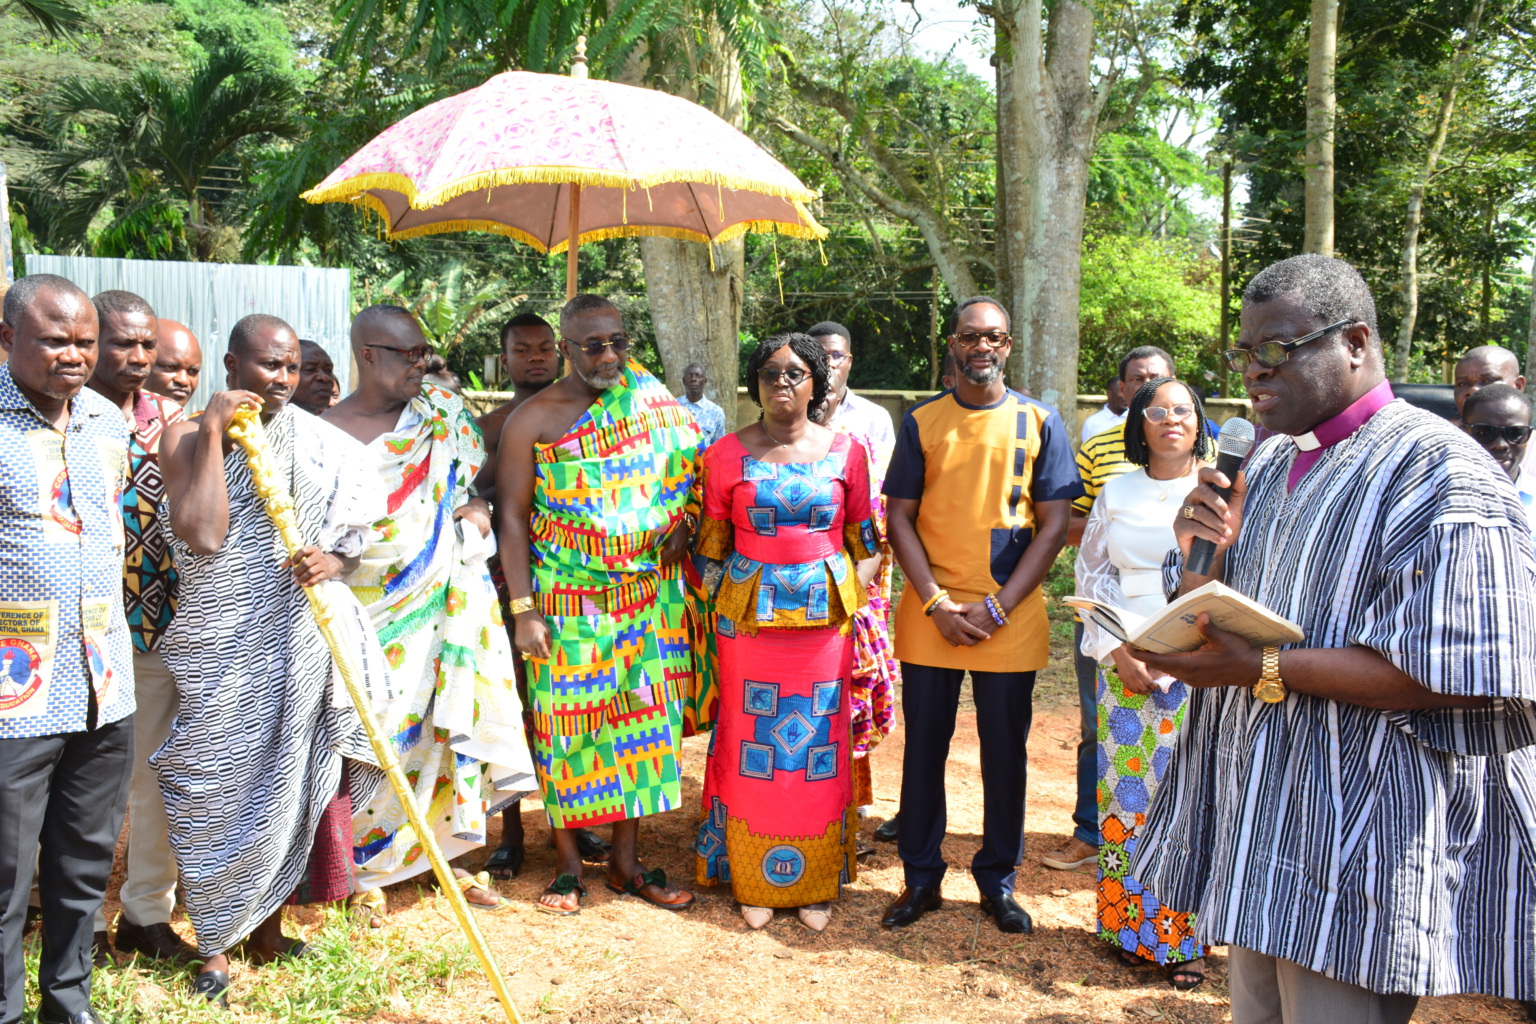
x=1321 y=58
x=696 y=310
x=1057 y=112
x=1402 y=354
x=1225 y=340
x=1530 y=339
x=1011 y=216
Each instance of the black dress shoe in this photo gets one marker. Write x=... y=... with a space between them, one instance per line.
x=910 y=906
x=1010 y=917
x=101 y=950
x=888 y=829
x=214 y=987
x=156 y=941
x=87 y=1016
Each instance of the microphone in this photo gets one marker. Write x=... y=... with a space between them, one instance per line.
x=1233 y=446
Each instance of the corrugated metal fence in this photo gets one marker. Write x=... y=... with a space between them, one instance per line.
x=210 y=297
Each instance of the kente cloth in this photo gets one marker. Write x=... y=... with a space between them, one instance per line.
x=62 y=630
x=789 y=533
x=456 y=722
x=1136 y=737
x=779 y=824
x=610 y=702
x=255 y=752
x=1392 y=850
x=876 y=672
x=778 y=819
x=149 y=575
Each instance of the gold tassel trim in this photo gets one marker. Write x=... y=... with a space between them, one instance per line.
x=552 y=174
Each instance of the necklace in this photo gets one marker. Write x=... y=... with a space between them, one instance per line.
x=1163 y=491
x=776 y=442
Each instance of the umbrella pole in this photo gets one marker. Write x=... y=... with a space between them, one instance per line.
x=247 y=431
x=573 y=233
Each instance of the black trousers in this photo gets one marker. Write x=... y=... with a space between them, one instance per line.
x=63 y=795
x=1004 y=709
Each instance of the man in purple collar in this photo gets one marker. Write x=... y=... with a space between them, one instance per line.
x=1351 y=814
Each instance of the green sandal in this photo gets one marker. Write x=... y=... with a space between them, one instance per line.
x=658 y=878
x=563 y=885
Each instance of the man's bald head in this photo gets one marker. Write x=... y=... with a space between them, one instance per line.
x=391 y=351
x=1482 y=366
x=178 y=362
x=386 y=324
x=256 y=329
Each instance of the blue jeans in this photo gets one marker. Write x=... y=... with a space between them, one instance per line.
x=1085 y=817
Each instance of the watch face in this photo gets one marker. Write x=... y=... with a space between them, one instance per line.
x=1270 y=691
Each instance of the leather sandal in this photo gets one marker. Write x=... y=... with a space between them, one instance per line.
x=368 y=907
x=505 y=862
x=658 y=878
x=563 y=885
x=212 y=986
x=593 y=849
x=482 y=881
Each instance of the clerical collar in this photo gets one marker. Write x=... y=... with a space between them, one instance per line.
x=1330 y=432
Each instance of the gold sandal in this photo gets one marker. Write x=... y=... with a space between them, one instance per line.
x=481 y=881
x=368 y=907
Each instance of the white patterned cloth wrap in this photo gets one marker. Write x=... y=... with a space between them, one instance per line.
x=456 y=720
x=255 y=752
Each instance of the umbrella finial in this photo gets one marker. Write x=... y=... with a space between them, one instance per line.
x=579 y=62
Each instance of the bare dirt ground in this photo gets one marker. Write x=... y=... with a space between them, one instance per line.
x=620 y=961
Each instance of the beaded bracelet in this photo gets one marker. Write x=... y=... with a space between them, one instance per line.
x=933 y=602
x=995 y=609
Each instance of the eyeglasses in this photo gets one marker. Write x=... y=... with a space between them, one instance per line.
x=1157 y=414
x=1486 y=434
x=997 y=339
x=1272 y=353
x=410 y=355
x=794 y=376
x=619 y=343
x=838 y=358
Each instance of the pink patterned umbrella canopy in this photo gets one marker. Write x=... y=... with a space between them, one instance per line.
x=502 y=157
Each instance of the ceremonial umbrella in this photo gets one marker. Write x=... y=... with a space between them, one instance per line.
x=547 y=158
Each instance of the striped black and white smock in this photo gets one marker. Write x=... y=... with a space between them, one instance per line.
x=1391 y=850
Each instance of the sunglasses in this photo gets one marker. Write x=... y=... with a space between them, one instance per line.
x=794 y=376
x=1272 y=353
x=619 y=343
x=1486 y=434
x=997 y=339
x=1157 y=414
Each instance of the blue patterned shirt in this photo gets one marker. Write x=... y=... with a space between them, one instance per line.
x=62 y=627
x=709 y=416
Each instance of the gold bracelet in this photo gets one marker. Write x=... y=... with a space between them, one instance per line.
x=518 y=605
x=934 y=601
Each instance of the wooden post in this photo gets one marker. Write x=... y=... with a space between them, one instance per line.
x=572 y=244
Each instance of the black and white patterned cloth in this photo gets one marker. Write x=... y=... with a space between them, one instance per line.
x=1391 y=850
x=255 y=752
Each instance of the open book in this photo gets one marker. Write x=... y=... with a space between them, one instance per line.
x=1173 y=628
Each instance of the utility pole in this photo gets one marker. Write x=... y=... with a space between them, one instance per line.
x=1322 y=56
x=1226 y=275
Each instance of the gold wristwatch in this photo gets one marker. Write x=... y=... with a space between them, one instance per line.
x=1269 y=688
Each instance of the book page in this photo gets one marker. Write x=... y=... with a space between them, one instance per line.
x=1174 y=629
x=1119 y=622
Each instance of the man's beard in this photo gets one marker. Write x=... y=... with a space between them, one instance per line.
x=601 y=381
x=982 y=377
x=534 y=385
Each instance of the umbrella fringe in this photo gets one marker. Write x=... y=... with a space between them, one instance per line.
x=347 y=190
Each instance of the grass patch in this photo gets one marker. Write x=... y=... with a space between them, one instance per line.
x=347 y=976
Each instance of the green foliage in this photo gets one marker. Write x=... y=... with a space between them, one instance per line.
x=1139 y=290
x=56 y=17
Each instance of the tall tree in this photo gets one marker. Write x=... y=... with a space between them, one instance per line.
x=1403 y=349
x=1322 y=56
x=1055 y=111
